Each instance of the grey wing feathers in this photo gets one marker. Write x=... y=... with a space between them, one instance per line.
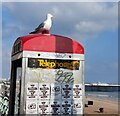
x=40 y=26
x=37 y=29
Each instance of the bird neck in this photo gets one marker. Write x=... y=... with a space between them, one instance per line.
x=49 y=20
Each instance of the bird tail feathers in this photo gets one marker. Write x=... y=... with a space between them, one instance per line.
x=32 y=32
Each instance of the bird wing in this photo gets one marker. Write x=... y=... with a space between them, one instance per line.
x=40 y=26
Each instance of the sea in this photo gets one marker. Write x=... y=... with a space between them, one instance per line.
x=115 y=96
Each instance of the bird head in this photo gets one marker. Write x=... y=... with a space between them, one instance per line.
x=50 y=16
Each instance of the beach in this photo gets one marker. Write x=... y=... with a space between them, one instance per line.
x=110 y=107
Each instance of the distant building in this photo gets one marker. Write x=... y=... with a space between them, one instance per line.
x=103 y=87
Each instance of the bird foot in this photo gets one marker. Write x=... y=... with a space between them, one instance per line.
x=46 y=32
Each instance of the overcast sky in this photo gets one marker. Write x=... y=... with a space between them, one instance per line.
x=93 y=24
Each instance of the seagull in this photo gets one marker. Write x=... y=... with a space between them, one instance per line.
x=44 y=26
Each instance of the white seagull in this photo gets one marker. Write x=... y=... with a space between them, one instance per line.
x=44 y=26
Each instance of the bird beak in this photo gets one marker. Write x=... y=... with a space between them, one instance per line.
x=52 y=17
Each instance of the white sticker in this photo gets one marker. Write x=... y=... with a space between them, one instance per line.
x=31 y=107
x=32 y=90
x=55 y=107
x=56 y=91
x=66 y=91
x=43 y=107
x=44 y=91
x=77 y=91
x=66 y=107
x=77 y=106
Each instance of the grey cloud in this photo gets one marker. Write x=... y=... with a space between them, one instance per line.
x=84 y=18
x=61 y=1
x=76 y=20
x=88 y=27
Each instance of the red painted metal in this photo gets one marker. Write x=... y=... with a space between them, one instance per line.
x=49 y=43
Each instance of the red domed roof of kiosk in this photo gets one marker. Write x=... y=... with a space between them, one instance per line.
x=47 y=43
